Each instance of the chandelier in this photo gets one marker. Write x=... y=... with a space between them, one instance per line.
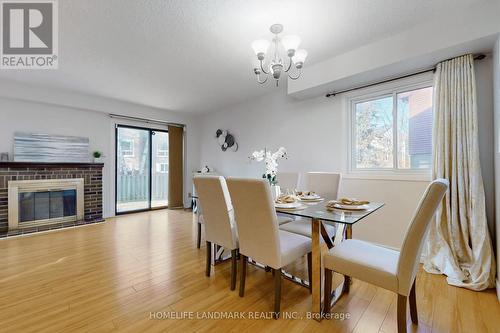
x=278 y=64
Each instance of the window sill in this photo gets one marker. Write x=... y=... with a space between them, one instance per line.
x=409 y=177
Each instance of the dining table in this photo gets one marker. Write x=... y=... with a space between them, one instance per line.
x=343 y=221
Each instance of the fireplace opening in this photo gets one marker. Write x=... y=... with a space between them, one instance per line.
x=47 y=205
x=45 y=201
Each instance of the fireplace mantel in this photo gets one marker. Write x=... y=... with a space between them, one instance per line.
x=14 y=165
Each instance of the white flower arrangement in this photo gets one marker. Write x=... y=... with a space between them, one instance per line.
x=271 y=160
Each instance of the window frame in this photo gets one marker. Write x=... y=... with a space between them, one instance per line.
x=378 y=92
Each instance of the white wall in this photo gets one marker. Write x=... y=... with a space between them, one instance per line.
x=496 y=87
x=41 y=110
x=314 y=131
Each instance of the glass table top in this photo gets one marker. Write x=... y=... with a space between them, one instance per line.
x=318 y=210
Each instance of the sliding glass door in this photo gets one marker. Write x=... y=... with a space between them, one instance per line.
x=141 y=169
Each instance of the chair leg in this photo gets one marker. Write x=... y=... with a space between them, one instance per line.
x=198 y=239
x=277 y=293
x=234 y=255
x=243 y=273
x=402 y=313
x=347 y=283
x=328 y=291
x=309 y=270
x=413 y=303
x=209 y=258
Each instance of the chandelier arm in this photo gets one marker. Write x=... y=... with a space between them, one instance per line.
x=289 y=65
x=262 y=82
x=262 y=68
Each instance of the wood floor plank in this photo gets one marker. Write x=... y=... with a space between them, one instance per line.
x=445 y=313
x=375 y=313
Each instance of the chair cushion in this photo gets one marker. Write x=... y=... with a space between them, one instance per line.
x=284 y=219
x=303 y=227
x=365 y=261
x=292 y=247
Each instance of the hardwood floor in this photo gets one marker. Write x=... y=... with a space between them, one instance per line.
x=115 y=276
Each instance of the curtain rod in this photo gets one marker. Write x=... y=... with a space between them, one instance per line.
x=432 y=69
x=146 y=120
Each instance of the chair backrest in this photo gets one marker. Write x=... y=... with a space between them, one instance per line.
x=217 y=210
x=288 y=180
x=256 y=220
x=411 y=250
x=326 y=184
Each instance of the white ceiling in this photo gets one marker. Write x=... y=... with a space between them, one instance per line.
x=188 y=55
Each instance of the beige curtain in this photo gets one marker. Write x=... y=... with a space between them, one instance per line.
x=175 y=167
x=459 y=243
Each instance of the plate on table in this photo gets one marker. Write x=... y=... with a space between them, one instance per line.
x=350 y=207
x=314 y=197
x=288 y=205
x=308 y=196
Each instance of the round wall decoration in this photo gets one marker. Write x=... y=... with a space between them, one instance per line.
x=226 y=140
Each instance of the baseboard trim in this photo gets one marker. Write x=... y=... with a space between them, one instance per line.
x=54 y=230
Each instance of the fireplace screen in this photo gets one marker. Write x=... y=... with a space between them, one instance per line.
x=46 y=205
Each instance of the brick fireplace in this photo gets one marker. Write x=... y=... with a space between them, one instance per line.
x=17 y=172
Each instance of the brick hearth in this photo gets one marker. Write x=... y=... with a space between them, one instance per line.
x=90 y=172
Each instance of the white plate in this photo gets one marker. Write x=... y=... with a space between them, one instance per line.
x=300 y=207
x=311 y=198
x=351 y=207
x=287 y=205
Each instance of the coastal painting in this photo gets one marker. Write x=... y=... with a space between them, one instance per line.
x=30 y=147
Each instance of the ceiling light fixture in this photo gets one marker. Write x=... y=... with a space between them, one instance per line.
x=277 y=65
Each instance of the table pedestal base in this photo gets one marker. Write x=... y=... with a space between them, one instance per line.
x=343 y=232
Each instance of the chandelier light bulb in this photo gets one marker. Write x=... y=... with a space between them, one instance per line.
x=291 y=44
x=260 y=47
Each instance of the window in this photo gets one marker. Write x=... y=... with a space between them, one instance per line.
x=127 y=147
x=392 y=131
x=162 y=167
x=162 y=149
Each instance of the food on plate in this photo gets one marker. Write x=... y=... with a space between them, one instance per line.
x=283 y=199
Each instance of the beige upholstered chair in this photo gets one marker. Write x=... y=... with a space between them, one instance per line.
x=327 y=185
x=259 y=235
x=288 y=180
x=384 y=267
x=218 y=217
